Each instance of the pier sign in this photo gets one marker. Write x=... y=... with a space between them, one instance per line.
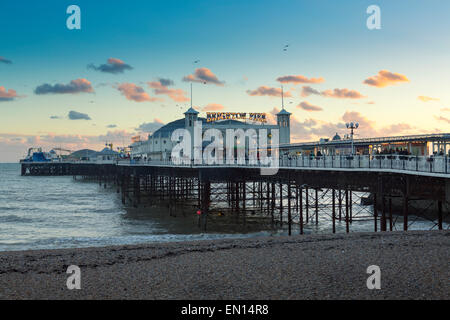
x=218 y=116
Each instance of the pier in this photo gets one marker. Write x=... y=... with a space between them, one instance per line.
x=396 y=190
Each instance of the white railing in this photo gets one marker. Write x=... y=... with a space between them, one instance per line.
x=433 y=164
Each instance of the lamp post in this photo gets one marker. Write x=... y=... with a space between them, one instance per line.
x=352 y=126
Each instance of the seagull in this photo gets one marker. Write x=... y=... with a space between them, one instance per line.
x=285 y=47
x=196 y=61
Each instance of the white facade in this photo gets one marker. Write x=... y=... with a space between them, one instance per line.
x=159 y=145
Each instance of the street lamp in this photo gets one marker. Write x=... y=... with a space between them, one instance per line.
x=352 y=126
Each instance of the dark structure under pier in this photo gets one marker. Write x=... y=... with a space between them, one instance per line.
x=293 y=198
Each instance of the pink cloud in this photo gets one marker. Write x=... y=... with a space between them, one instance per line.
x=444 y=119
x=299 y=79
x=335 y=93
x=305 y=105
x=268 y=91
x=203 y=75
x=177 y=95
x=7 y=95
x=135 y=93
x=385 y=78
x=427 y=99
x=213 y=107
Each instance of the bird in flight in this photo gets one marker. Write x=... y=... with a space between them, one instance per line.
x=196 y=61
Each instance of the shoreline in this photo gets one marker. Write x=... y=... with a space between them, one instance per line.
x=414 y=265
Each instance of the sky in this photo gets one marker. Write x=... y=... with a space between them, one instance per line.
x=128 y=70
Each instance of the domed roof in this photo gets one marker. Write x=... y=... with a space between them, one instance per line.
x=229 y=121
x=107 y=151
x=336 y=137
x=166 y=131
x=283 y=112
x=191 y=111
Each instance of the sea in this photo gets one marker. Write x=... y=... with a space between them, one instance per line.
x=60 y=212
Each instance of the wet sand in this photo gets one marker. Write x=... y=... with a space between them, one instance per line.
x=414 y=265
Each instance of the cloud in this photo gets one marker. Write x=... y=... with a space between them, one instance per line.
x=335 y=93
x=113 y=66
x=385 y=78
x=134 y=93
x=306 y=130
x=441 y=118
x=177 y=95
x=14 y=145
x=305 y=105
x=4 y=60
x=213 y=107
x=55 y=117
x=111 y=126
x=299 y=79
x=445 y=109
x=268 y=91
x=118 y=137
x=75 y=86
x=342 y=94
x=74 y=115
x=7 y=95
x=427 y=99
x=166 y=82
x=368 y=128
x=307 y=91
x=150 y=127
x=203 y=75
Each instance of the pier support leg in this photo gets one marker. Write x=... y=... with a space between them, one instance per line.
x=347 y=227
x=206 y=198
x=333 y=211
x=301 y=210
x=390 y=214
x=340 y=204
x=289 y=207
x=317 y=206
x=375 y=213
x=244 y=199
x=405 y=213
x=383 y=213
x=273 y=204
x=307 y=203
x=405 y=204
x=440 y=215
x=351 y=206
x=281 y=204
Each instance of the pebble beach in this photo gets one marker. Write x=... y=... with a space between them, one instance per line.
x=414 y=265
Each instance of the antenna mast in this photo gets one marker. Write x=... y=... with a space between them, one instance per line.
x=191 y=94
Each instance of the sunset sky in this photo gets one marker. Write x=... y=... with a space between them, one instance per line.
x=129 y=68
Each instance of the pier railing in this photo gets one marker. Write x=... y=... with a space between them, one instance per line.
x=432 y=164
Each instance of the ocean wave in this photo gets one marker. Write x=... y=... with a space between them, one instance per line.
x=83 y=242
x=14 y=218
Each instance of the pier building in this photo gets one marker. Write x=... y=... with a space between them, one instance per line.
x=158 y=146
